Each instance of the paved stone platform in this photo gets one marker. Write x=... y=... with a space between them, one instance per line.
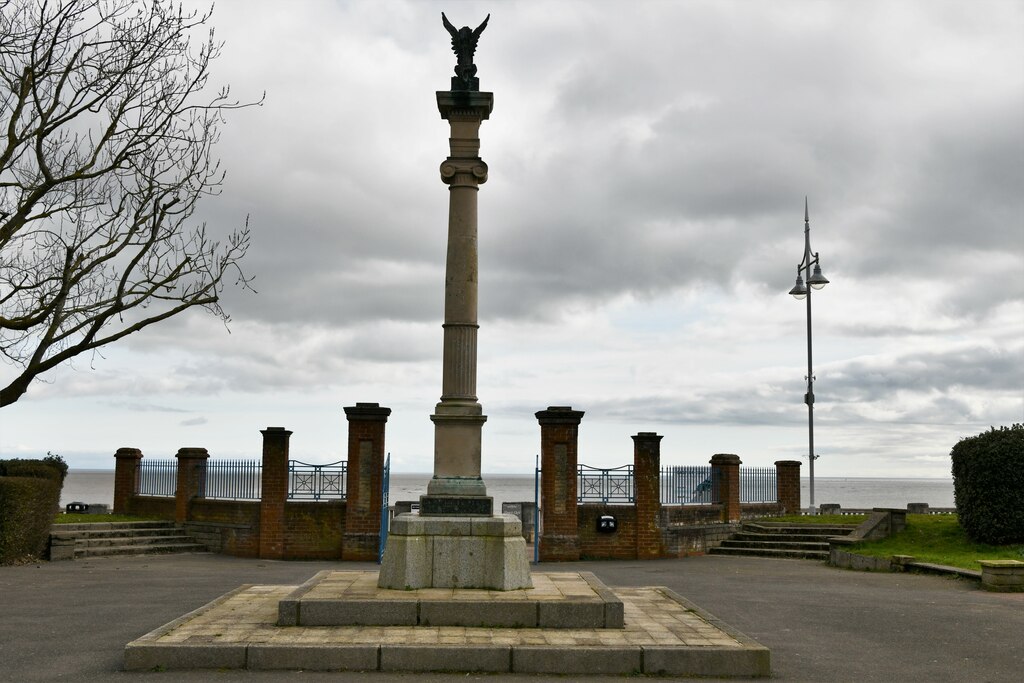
x=663 y=634
x=353 y=598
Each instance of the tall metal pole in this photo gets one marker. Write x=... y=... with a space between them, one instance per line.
x=815 y=280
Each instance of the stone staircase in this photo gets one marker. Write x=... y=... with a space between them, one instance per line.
x=120 y=538
x=776 y=539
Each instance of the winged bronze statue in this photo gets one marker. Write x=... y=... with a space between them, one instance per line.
x=464 y=46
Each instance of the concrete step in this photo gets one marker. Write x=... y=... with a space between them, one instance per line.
x=100 y=526
x=775 y=545
x=768 y=552
x=155 y=549
x=788 y=538
x=140 y=541
x=801 y=529
x=117 y=533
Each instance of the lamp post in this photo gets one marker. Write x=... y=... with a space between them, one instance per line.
x=815 y=280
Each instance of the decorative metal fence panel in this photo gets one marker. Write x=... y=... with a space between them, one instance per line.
x=608 y=485
x=384 y=520
x=157 y=477
x=315 y=482
x=757 y=485
x=689 y=485
x=232 y=479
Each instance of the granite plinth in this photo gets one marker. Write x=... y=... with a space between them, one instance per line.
x=457 y=506
x=352 y=598
x=455 y=552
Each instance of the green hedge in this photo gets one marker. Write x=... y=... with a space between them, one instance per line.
x=25 y=516
x=29 y=495
x=988 y=481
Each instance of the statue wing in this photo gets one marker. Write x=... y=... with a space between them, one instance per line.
x=480 y=28
x=448 y=25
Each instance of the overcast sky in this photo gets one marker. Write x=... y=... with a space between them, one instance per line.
x=638 y=235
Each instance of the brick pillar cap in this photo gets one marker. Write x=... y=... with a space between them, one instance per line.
x=367 y=412
x=788 y=463
x=192 y=453
x=128 y=453
x=725 y=459
x=559 y=415
x=647 y=436
x=276 y=431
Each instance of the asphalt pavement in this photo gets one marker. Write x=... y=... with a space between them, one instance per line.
x=71 y=620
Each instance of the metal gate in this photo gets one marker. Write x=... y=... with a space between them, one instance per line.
x=536 y=511
x=385 y=517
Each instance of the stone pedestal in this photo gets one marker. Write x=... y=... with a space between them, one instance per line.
x=455 y=552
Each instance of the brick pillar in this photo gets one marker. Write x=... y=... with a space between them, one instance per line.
x=191 y=480
x=560 y=534
x=725 y=469
x=647 y=490
x=364 y=487
x=787 y=483
x=274 y=492
x=126 y=477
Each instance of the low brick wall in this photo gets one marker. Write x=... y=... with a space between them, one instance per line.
x=231 y=527
x=756 y=510
x=315 y=531
x=151 y=506
x=620 y=545
x=695 y=539
x=690 y=514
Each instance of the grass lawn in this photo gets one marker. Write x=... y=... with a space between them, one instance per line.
x=938 y=539
x=88 y=519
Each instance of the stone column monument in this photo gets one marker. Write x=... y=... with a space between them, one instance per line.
x=455 y=541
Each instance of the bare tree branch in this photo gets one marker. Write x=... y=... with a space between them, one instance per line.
x=107 y=130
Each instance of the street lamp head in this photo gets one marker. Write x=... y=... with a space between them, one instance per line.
x=799 y=290
x=816 y=280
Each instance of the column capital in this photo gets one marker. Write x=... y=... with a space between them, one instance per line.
x=463 y=171
x=192 y=453
x=642 y=437
x=133 y=453
x=465 y=104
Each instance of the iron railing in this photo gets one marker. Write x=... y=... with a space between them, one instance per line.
x=157 y=478
x=314 y=482
x=604 y=485
x=758 y=485
x=232 y=480
x=689 y=485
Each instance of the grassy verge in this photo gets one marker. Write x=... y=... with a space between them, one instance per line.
x=853 y=520
x=88 y=519
x=938 y=539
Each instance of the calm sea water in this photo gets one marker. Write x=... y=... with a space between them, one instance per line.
x=92 y=486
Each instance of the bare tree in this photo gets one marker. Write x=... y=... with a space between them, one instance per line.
x=106 y=136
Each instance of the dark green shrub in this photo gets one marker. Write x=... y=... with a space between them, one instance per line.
x=27 y=505
x=29 y=495
x=988 y=485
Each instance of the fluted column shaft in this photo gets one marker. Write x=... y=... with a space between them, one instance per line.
x=458 y=417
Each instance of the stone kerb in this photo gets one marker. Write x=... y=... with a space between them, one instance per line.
x=126 y=477
x=365 y=484
x=726 y=471
x=559 y=433
x=191 y=480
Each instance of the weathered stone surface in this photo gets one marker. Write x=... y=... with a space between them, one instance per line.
x=1002 y=575
x=170 y=657
x=313 y=657
x=483 y=614
x=357 y=613
x=576 y=660
x=408 y=563
x=493 y=658
x=558 y=614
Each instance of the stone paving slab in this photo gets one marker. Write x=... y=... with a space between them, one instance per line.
x=663 y=634
x=353 y=598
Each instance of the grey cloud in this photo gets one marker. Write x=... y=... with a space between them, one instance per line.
x=193 y=422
